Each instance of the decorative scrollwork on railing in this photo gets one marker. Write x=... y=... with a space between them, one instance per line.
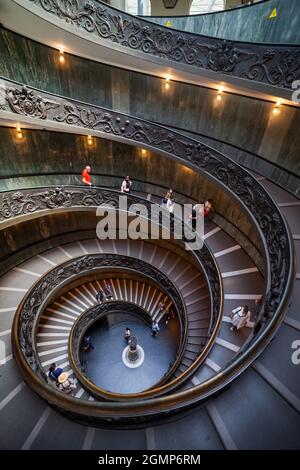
x=275 y=65
x=238 y=181
x=22 y=203
x=25 y=101
x=49 y=283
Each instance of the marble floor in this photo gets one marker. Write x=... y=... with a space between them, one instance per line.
x=104 y=365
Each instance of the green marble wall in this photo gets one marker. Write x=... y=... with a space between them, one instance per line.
x=44 y=158
x=249 y=24
x=24 y=240
x=244 y=122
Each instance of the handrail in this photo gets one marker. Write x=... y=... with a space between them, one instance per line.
x=250 y=195
x=272 y=64
x=49 y=285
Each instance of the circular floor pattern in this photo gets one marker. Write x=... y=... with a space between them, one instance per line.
x=133 y=364
x=104 y=365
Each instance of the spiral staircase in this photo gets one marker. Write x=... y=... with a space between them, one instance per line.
x=223 y=389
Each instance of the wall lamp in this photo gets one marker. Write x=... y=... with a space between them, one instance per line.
x=276 y=109
x=167 y=82
x=61 y=55
x=19 y=132
x=220 y=91
x=89 y=140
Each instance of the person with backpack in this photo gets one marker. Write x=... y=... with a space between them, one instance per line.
x=54 y=373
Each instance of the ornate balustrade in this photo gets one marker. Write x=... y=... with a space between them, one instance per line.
x=26 y=202
x=242 y=186
x=275 y=65
x=49 y=285
x=28 y=102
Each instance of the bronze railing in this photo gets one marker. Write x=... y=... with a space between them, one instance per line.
x=24 y=202
x=251 y=196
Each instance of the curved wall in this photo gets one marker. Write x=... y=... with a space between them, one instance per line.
x=44 y=158
x=242 y=121
x=248 y=23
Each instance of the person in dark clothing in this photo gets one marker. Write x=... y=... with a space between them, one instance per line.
x=127 y=334
x=100 y=296
x=168 y=315
x=87 y=344
x=107 y=290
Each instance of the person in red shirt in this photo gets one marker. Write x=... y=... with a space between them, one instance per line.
x=86 y=178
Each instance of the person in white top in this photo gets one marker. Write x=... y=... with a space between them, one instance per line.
x=126 y=185
x=170 y=205
x=240 y=317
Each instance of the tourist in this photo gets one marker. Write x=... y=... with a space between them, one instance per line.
x=168 y=315
x=86 y=177
x=171 y=205
x=154 y=328
x=126 y=185
x=257 y=305
x=161 y=307
x=66 y=384
x=169 y=196
x=100 y=296
x=54 y=372
x=199 y=208
x=240 y=317
x=127 y=335
x=197 y=211
x=87 y=344
x=208 y=207
x=107 y=290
